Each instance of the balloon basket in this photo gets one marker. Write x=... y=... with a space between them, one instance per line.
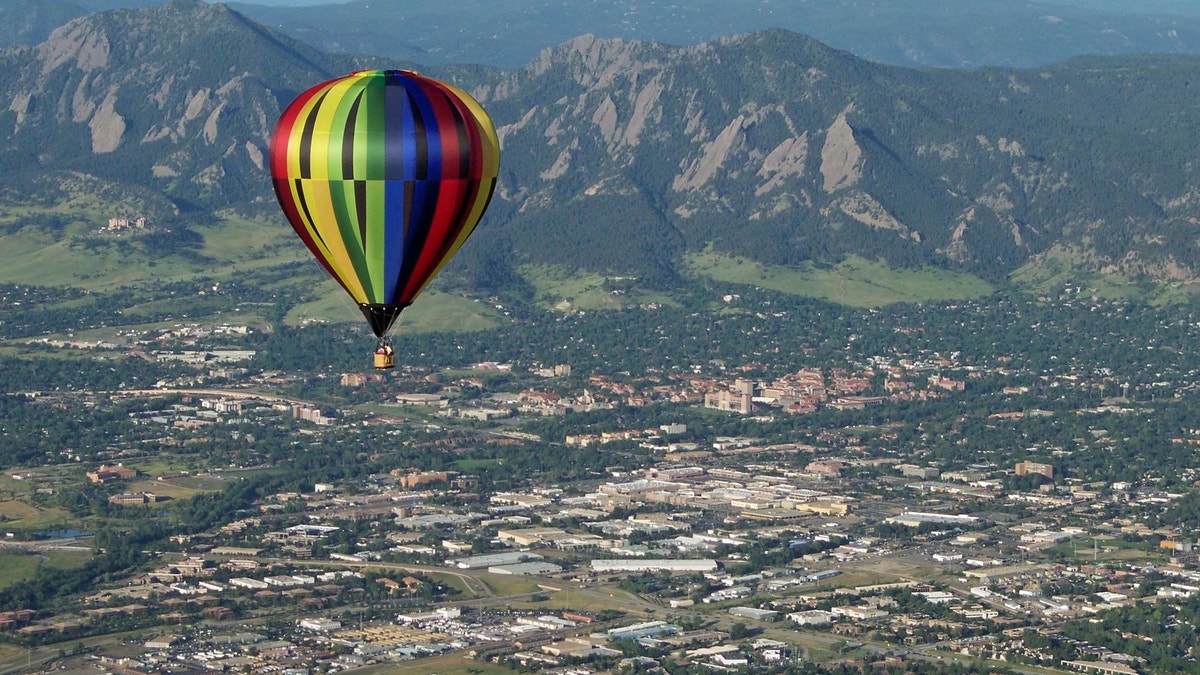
x=385 y=356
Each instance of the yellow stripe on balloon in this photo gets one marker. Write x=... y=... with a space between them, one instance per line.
x=487 y=132
x=320 y=205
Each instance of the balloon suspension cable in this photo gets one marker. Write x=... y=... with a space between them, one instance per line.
x=385 y=355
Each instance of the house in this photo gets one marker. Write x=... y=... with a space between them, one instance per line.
x=861 y=613
x=812 y=617
x=107 y=474
x=133 y=499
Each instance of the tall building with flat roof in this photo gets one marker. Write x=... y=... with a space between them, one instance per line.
x=699 y=565
x=1023 y=468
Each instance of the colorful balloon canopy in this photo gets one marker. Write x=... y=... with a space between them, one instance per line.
x=384 y=174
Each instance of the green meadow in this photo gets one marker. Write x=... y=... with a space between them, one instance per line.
x=855 y=281
x=567 y=290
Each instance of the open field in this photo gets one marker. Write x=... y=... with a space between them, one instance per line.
x=589 y=600
x=855 y=282
x=893 y=569
x=456 y=581
x=175 y=488
x=60 y=258
x=564 y=290
x=505 y=585
x=436 y=311
x=1058 y=271
x=251 y=243
x=1108 y=549
x=16 y=565
x=442 y=665
x=433 y=311
x=17 y=514
x=163 y=464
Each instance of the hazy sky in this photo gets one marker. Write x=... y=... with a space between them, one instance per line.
x=291 y=3
x=1184 y=7
x=296 y=3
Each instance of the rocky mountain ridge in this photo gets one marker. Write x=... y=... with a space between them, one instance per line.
x=622 y=157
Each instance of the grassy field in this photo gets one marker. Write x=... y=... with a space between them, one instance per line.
x=238 y=247
x=17 y=514
x=251 y=243
x=32 y=256
x=38 y=256
x=591 y=600
x=1108 y=549
x=855 y=282
x=18 y=565
x=1058 y=271
x=442 y=665
x=564 y=290
x=164 y=464
x=178 y=488
x=504 y=585
x=431 y=312
x=435 y=311
x=456 y=582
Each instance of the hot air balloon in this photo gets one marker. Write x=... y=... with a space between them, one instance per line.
x=384 y=174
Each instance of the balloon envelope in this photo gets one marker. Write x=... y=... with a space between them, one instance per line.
x=384 y=174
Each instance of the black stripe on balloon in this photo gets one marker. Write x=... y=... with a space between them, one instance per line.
x=417 y=215
x=306 y=138
x=360 y=206
x=420 y=141
x=406 y=241
x=464 y=141
x=307 y=214
x=348 y=138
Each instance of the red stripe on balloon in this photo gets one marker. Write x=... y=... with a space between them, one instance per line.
x=444 y=227
x=449 y=125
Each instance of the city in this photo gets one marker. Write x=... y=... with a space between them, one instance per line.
x=533 y=516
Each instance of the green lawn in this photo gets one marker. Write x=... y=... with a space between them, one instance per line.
x=564 y=290
x=505 y=585
x=1058 y=270
x=595 y=600
x=1108 y=549
x=37 y=256
x=432 y=311
x=177 y=488
x=252 y=243
x=442 y=665
x=855 y=282
x=18 y=565
x=17 y=514
x=456 y=582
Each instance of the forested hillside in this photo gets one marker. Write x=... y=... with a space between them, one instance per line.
x=630 y=158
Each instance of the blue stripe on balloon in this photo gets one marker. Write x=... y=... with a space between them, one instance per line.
x=424 y=205
x=397 y=121
x=428 y=141
x=393 y=239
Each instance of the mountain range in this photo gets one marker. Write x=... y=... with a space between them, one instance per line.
x=936 y=33
x=929 y=33
x=634 y=159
